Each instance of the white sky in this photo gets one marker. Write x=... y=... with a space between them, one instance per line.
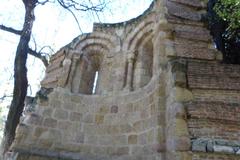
x=54 y=27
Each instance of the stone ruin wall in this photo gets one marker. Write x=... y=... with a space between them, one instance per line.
x=161 y=93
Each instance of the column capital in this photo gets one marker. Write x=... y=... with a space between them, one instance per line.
x=131 y=55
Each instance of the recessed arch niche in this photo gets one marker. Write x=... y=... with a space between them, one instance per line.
x=89 y=68
x=140 y=45
x=84 y=79
x=143 y=64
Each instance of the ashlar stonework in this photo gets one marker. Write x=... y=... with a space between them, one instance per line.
x=151 y=88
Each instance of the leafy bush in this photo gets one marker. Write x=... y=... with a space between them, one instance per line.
x=224 y=24
x=229 y=11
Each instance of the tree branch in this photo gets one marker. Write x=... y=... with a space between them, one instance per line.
x=49 y=47
x=11 y=30
x=38 y=55
x=44 y=2
x=73 y=4
x=81 y=7
x=5 y=96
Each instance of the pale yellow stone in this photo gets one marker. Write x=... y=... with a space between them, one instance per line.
x=219 y=56
x=170 y=51
x=39 y=131
x=61 y=114
x=179 y=79
x=181 y=128
x=183 y=156
x=132 y=115
x=104 y=110
x=99 y=119
x=182 y=94
x=150 y=136
x=45 y=143
x=132 y=139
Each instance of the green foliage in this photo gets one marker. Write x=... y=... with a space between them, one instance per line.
x=229 y=11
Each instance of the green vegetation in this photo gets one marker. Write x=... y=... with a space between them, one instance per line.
x=229 y=11
x=224 y=25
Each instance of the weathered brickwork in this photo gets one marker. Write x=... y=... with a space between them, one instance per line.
x=201 y=156
x=161 y=93
x=207 y=75
x=215 y=110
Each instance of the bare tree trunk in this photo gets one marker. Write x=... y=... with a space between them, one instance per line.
x=20 y=69
x=20 y=76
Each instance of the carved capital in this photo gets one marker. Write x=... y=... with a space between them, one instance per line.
x=131 y=55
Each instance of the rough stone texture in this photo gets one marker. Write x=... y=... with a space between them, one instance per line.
x=212 y=75
x=204 y=156
x=161 y=93
x=215 y=145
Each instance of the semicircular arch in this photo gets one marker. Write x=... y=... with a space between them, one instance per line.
x=106 y=42
x=138 y=34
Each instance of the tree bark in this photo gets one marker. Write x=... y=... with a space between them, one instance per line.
x=20 y=69
x=20 y=76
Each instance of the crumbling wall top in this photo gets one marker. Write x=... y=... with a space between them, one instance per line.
x=102 y=26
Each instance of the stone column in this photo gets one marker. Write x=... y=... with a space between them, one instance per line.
x=76 y=57
x=131 y=56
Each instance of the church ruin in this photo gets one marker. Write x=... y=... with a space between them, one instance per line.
x=151 y=88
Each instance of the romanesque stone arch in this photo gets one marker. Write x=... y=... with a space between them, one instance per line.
x=87 y=68
x=140 y=55
x=143 y=67
x=188 y=111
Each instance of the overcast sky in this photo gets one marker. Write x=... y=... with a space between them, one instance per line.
x=54 y=27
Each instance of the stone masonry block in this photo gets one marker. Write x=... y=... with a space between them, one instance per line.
x=103 y=110
x=39 y=131
x=22 y=129
x=61 y=114
x=54 y=102
x=121 y=151
x=126 y=128
x=199 y=145
x=70 y=106
x=45 y=143
x=142 y=138
x=79 y=138
x=113 y=129
x=74 y=116
x=170 y=51
x=178 y=111
x=76 y=99
x=178 y=65
x=88 y=118
x=183 y=156
x=182 y=143
x=114 y=109
x=132 y=139
x=33 y=119
x=181 y=127
x=99 y=119
x=223 y=149
x=182 y=94
x=47 y=112
x=64 y=125
x=50 y=122
x=179 y=79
